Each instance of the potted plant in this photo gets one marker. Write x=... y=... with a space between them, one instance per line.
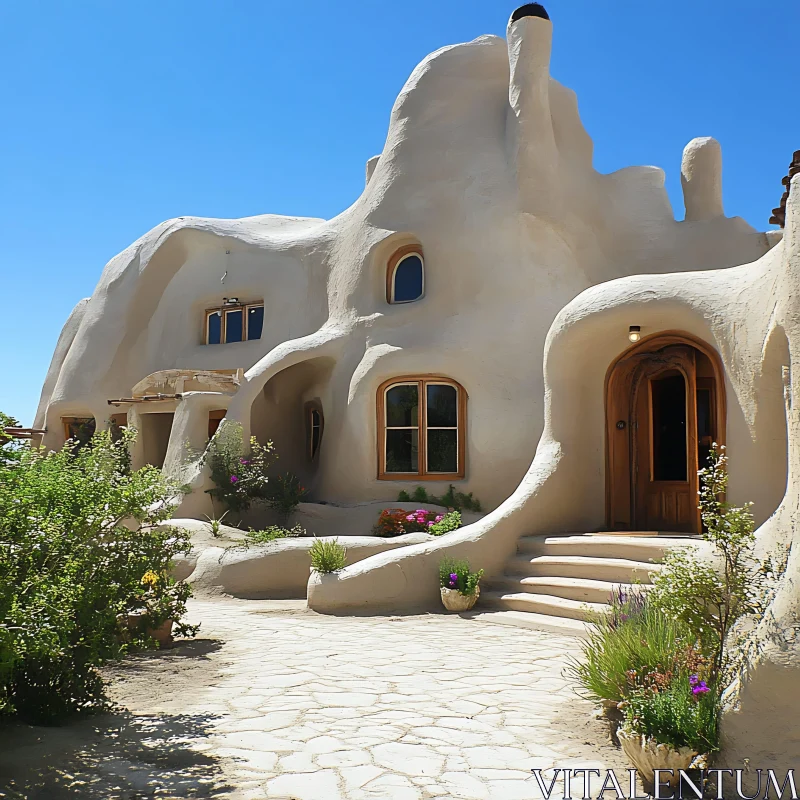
x=459 y=584
x=669 y=723
x=155 y=608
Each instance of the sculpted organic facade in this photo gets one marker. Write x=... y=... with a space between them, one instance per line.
x=534 y=268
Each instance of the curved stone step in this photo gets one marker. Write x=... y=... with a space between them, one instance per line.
x=635 y=548
x=614 y=570
x=544 y=604
x=585 y=590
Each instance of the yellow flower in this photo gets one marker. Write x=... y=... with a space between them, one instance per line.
x=149 y=578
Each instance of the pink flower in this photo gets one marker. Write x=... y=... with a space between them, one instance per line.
x=410 y=517
x=439 y=518
x=234 y=479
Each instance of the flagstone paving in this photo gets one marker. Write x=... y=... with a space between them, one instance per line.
x=310 y=707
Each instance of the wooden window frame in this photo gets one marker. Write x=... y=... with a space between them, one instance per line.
x=222 y=310
x=422 y=381
x=391 y=268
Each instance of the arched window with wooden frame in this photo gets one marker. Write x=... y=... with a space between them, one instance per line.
x=405 y=275
x=422 y=421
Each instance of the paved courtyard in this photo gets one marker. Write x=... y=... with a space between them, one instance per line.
x=273 y=701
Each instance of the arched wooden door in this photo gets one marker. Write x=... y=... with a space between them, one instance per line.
x=663 y=410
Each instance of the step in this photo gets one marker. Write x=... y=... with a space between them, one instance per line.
x=585 y=590
x=614 y=570
x=538 y=622
x=544 y=604
x=635 y=548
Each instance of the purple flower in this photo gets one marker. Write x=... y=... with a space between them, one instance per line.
x=453 y=584
x=701 y=688
x=453 y=576
x=234 y=479
x=243 y=461
x=693 y=680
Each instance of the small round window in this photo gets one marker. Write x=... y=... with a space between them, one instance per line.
x=406 y=277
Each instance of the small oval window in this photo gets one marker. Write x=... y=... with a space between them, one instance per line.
x=407 y=278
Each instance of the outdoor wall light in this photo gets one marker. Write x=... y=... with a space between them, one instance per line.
x=634 y=333
x=230 y=301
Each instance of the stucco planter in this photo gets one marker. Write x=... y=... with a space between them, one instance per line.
x=647 y=755
x=318 y=583
x=453 y=600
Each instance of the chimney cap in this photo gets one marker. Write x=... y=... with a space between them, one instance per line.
x=530 y=10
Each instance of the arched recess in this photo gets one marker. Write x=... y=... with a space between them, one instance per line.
x=280 y=414
x=665 y=404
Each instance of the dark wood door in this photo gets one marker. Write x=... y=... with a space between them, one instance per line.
x=652 y=441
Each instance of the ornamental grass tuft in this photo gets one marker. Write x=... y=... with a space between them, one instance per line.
x=328 y=555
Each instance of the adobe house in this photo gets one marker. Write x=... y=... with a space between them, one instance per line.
x=491 y=312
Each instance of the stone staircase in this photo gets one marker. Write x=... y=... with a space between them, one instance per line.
x=558 y=582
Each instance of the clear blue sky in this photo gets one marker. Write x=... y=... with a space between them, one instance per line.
x=118 y=115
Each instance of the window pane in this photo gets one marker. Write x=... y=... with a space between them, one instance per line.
x=233 y=326
x=215 y=328
x=669 y=428
x=316 y=431
x=402 y=406
x=255 y=322
x=408 y=280
x=402 y=450
x=442 y=451
x=442 y=405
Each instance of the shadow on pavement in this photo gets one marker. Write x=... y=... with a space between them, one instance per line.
x=113 y=757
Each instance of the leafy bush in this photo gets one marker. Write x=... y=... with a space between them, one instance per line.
x=636 y=640
x=286 y=495
x=270 y=534
x=442 y=525
x=79 y=533
x=682 y=714
x=327 y=555
x=455 y=574
x=711 y=600
x=240 y=478
x=457 y=501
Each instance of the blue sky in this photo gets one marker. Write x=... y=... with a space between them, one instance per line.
x=118 y=115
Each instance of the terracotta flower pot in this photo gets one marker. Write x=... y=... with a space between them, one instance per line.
x=647 y=755
x=162 y=634
x=453 y=600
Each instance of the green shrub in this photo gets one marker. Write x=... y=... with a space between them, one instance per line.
x=80 y=544
x=270 y=534
x=449 y=522
x=327 y=555
x=708 y=599
x=454 y=574
x=457 y=501
x=241 y=478
x=678 y=714
x=634 y=641
x=286 y=494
